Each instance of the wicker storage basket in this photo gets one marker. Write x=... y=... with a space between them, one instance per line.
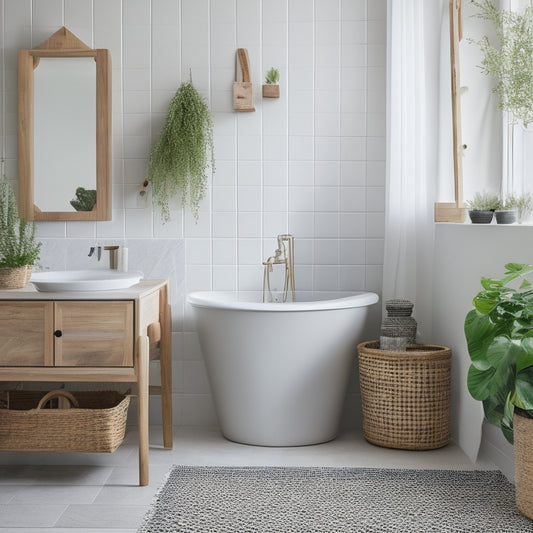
x=405 y=396
x=15 y=278
x=523 y=464
x=28 y=421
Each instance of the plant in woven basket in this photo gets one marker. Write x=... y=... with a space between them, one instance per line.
x=499 y=334
x=17 y=236
x=182 y=155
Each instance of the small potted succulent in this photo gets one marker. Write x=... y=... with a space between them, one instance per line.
x=499 y=335
x=482 y=206
x=18 y=248
x=271 y=87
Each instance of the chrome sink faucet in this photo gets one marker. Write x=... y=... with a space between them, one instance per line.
x=113 y=254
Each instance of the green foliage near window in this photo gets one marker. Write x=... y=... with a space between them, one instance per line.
x=511 y=60
x=499 y=334
x=483 y=201
x=182 y=155
x=272 y=76
x=17 y=236
x=523 y=204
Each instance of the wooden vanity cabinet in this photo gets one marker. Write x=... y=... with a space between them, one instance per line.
x=74 y=333
x=93 y=333
x=26 y=334
x=101 y=336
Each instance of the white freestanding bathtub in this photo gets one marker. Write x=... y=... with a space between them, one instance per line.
x=279 y=371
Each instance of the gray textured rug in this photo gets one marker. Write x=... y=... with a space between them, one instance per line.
x=288 y=500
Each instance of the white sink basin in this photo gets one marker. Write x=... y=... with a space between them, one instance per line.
x=84 y=280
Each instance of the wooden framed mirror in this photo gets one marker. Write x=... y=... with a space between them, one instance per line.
x=64 y=130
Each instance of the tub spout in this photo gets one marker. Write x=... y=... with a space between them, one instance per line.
x=283 y=255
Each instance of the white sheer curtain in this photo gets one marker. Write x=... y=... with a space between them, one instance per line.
x=412 y=159
x=419 y=128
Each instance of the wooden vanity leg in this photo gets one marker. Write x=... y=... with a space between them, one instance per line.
x=166 y=367
x=143 y=349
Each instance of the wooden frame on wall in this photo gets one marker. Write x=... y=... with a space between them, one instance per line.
x=455 y=211
x=63 y=43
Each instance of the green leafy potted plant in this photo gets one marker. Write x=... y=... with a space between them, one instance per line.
x=181 y=157
x=499 y=334
x=482 y=206
x=271 y=87
x=18 y=248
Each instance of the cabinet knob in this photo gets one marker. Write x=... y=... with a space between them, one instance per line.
x=58 y=333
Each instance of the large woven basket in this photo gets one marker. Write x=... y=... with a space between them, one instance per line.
x=29 y=424
x=405 y=396
x=15 y=277
x=523 y=464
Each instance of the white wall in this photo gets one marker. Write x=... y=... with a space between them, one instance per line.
x=465 y=253
x=310 y=163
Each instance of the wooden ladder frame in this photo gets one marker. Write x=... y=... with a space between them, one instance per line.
x=455 y=211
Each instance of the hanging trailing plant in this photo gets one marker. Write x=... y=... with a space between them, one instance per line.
x=182 y=155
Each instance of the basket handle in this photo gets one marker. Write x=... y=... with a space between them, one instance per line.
x=58 y=393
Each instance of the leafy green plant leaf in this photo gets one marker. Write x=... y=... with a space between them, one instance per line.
x=524 y=389
x=478 y=382
x=507 y=419
x=525 y=358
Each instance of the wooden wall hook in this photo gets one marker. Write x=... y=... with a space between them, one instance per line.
x=243 y=96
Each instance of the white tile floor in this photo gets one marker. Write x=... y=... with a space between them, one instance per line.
x=96 y=493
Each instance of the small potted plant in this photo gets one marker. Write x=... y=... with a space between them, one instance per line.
x=507 y=212
x=271 y=87
x=499 y=334
x=18 y=248
x=482 y=206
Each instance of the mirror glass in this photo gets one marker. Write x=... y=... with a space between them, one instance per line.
x=64 y=132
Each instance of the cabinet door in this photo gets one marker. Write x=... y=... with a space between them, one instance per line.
x=26 y=333
x=94 y=333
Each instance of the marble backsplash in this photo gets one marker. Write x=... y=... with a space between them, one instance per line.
x=155 y=258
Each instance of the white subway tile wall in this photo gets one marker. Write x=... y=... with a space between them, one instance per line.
x=311 y=163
